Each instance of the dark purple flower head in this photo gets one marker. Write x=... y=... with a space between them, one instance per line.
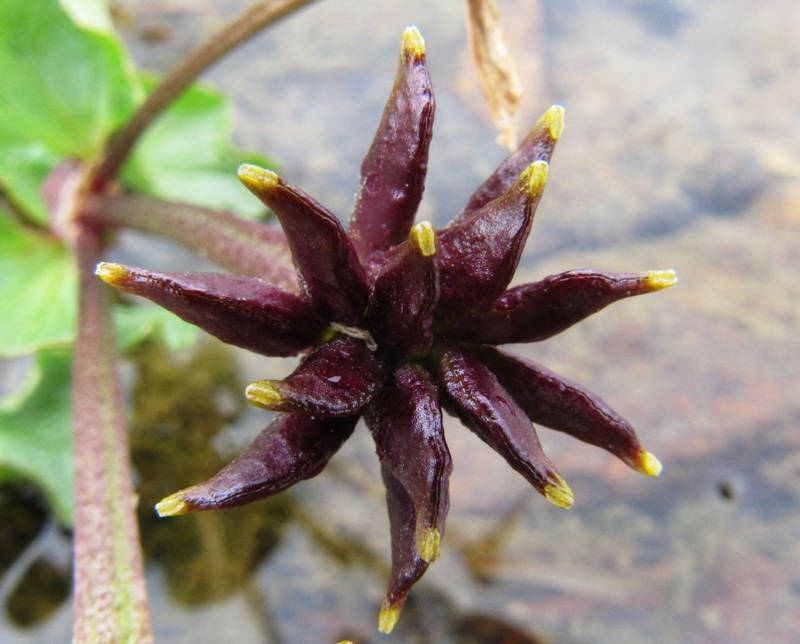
x=397 y=322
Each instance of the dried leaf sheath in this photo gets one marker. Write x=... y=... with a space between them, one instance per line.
x=498 y=75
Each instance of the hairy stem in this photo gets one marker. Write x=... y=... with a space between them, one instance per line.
x=238 y=245
x=110 y=595
x=250 y=22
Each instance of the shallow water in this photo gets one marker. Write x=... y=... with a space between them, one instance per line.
x=681 y=150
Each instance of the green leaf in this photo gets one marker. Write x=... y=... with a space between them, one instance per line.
x=39 y=284
x=63 y=85
x=64 y=89
x=36 y=432
x=186 y=156
x=38 y=280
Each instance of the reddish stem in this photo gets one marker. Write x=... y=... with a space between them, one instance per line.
x=110 y=595
x=238 y=245
x=249 y=23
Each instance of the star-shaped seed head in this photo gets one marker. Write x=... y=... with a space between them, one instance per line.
x=396 y=322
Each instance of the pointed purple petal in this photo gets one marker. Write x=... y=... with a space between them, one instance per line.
x=537 y=146
x=393 y=172
x=292 y=448
x=406 y=291
x=553 y=401
x=540 y=310
x=406 y=423
x=330 y=272
x=478 y=256
x=407 y=565
x=242 y=311
x=475 y=396
x=336 y=379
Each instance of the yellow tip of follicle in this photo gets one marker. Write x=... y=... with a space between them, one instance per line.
x=264 y=393
x=656 y=280
x=559 y=494
x=429 y=544
x=255 y=178
x=110 y=273
x=649 y=464
x=413 y=42
x=171 y=506
x=423 y=236
x=553 y=120
x=534 y=177
x=387 y=619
